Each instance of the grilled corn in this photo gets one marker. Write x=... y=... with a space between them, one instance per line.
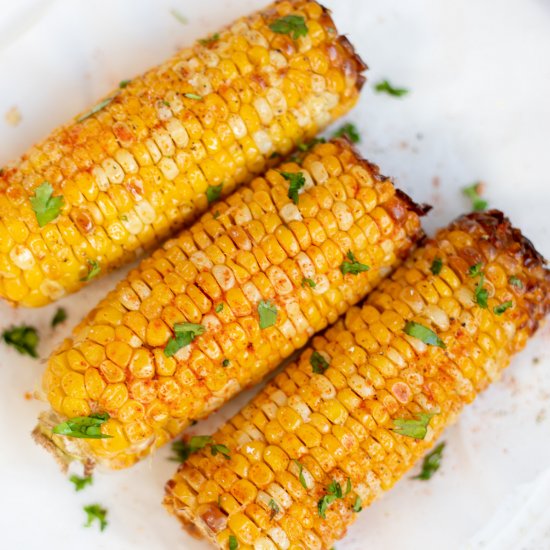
x=370 y=396
x=149 y=157
x=258 y=275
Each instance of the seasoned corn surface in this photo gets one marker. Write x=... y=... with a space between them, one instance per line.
x=137 y=166
x=308 y=436
x=257 y=249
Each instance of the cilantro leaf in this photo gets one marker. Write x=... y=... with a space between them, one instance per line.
x=473 y=193
x=214 y=192
x=226 y=363
x=475 y=270
x=23 y=338
x=384 y=86
x=318 y=363
x=96 y=108
x=426 y=335
x=59 y=317
x=219 y=307
x=81 y=482
x=193 y=96
x=184 y=449
x=268 y=314
x=334 y=491
x=357 y=505
x=324 y=503
x=501 y=308
x=310 y=282
x=233 y=542
x=350 y=131
x=301 y=477
x=184 y=334
x=431 y=463
x=123 y=84
x=296 y=181
x=353 y=266
x=308 y=145
x=84 y=427
x=96 y=512
x=210 y=40
x=274 y=508
x=415 y=428
x=94 y=269
x=293 y=25
x=45 y=206
x=436 y=266
x=481 y=295
x=216 y=448
x=515 y=281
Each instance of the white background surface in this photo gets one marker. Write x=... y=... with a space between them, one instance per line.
x=479 y=108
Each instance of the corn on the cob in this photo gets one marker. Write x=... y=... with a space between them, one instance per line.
x=139 y=164
x=327 y=444
x=257 y=249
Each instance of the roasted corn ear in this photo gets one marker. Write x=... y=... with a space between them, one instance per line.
x=151 y=155
x=218 y=307
x=363 y=403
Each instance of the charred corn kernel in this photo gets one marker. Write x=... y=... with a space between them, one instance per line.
x=208 y=116
x=351 y=434
x=196 y=380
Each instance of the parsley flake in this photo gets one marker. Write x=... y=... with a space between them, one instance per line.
x=431 y=463
x=515 y=281
x=219 y=308
x=334 y=491
x=384 y=86
x=357 y=505
x=268 y=314
x=45 y=206
x=501 y=308
x=123 y=84
x=96 y=512
x=210 y=40
x=301 y=477
x=350 y=131
x=304 y=147
x=233 y=543
x=84 y=427
x=81 y=482
x=309 y=282
x=417 y=428
x=59 y=317
x=214 y=192
x=481 y=295
x=296 y=182
x=184 y=449
x=274 y=508
x=193 y=96
x=426 y=335
x=318 y=363
x=436 y=266
x=94 y=269
x=293 y=25
x=184 y=334
x=473 y=193
x=216 y=448
x=23 y=338
x=353 y=266
x=226 y=363
x=475 y=270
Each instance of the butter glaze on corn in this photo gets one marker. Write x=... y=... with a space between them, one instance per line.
x=255 y=245
x=338 y=425
x=138 y=169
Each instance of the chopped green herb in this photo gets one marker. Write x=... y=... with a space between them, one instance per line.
x=426 y=335
x=334 y=491
x=94 y=269
x=296 y=181
x=96 y=108
x=350 y=131
x=233 y=543
x=84 y=427
x=123 y=83
x=431 y=463
x=437 y=265
x=310 y=144
x=415 y=428
x=96 y=512
x=501 y=308
x=309 y=282
x=184 y=449
x=23 y=338
x=473 y=193
x=357 y=505
x=215 y=448
x=214 y=192
x=515 y=281
x=226 y=363
x=81 y=482
x=293 y=25
x=166 y=103
x=274 y=508
x=179 y=16
x=481 y=295
x=274 y=155
x=301 y=477
x=353 y=266
x=475 y=270
x=59 y=317
x=216 y=214
x=219 y=307
x=385 y=87
x=184 y=334
x=318 y=363
x=268 y=314
x=210 y=40
x=45 y=206
x=348 y=487
x=193 y=96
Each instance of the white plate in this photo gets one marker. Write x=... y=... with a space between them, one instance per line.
x=478 y=109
